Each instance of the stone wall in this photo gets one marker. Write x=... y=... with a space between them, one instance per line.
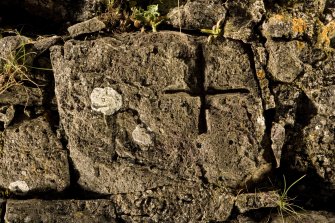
x=104 y=123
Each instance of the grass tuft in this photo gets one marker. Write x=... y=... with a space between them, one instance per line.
x=15 y=69
x=285 y=204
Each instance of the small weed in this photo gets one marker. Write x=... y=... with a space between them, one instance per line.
x=5 y=193
x=150 y=17
x=14 y=70
x=215 y=32
x=285 y=204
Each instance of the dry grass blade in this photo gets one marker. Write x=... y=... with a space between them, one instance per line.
x=14 y=70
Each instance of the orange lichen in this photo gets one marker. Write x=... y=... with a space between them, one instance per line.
x=260 y=74
x=299 y=25
x=326 y=33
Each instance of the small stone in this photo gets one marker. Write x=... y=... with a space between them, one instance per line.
x=278 y=140
x=19 y=187
x=106 y=100
x=89 y=26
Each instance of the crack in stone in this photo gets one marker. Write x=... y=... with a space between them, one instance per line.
x=3 y=212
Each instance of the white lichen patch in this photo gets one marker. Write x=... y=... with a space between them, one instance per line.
x=105 y=100
x=142 y=136
x=19 y=187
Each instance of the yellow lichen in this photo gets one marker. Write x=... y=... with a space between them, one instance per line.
x=326 y=32
x=299 y=25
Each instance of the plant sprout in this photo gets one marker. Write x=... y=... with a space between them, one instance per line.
x=150 y=17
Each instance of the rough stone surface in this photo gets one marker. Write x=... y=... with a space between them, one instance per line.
x=260 y=60
x=21 y=95
x=235 y=121
x=243 y=17
x=288 y=98
x=231 y=146
x=86 y=27
x=284 y=62
x=310 y=217
x=71 y=211
x=6 y=115
x=319 y=86
x=278 y=140
x=43 y=44
x=166 y=125
x=32 y=159
x=112 y=157
x=228 y=67
x=251 y=201
x=178 y=203
x=161 y=136
x=193 y=15
x=288 y=26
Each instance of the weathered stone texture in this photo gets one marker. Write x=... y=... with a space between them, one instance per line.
x=260 y=60
x=319 y=86
x=32 y=159
x=284 y=63
x=228 y=67
x=244 y=15
x=310 y=217
x=286 y=25
x=193 y=15
x=252 y=201
x=231 y=148
x=71 y=211
x=143 y=80
x=188 y=202
x=86 y=27
x=7 y=114
x=235 y=121
x=142 y=123
x=167 y=124
x=11 y=48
